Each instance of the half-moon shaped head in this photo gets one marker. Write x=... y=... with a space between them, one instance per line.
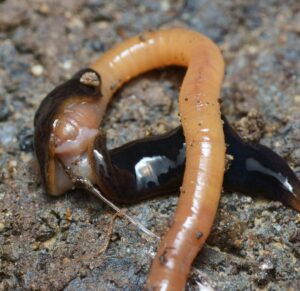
x=65 y=124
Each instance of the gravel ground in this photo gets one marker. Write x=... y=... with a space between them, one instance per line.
x=57 y=243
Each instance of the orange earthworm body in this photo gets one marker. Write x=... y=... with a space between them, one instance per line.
x=68 y=119
x=205 y=148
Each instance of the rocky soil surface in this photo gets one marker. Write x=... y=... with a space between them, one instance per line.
x=58 y=243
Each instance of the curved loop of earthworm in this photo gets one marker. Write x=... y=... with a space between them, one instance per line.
x=200 y=116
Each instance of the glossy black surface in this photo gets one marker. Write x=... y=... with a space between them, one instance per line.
x=153 y=166
x=141 y=169
x=256 y=169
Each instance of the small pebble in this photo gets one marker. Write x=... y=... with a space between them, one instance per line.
x=25 y=157
x=67 y=65
x=252 y=49
x=49 y=244
x=12 y=167
x=44 y=9
x=25 y=139
x=115 y=237
x=76 y=23
x=277 y=144
x=2 y=227
x=37 y=70
x=68 y=214
x=102 y=24
x=35 y=246
x=268 y=265
x=297 y=99
x=66 y=261
x=12 y=163
x=165 y=6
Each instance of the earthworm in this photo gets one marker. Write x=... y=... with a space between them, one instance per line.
x=67 y=124
x=200 y=116
x=201 y=121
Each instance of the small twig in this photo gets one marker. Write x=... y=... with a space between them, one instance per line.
x=84 y=183
x=97 y=193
